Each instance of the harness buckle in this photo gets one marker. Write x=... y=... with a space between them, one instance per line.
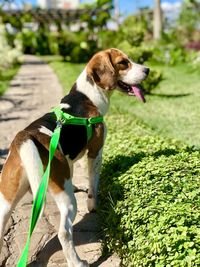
x=59 y=123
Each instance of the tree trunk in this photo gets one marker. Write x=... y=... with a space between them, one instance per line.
x=157 y=20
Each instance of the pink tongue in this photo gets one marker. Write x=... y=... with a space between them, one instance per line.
x=138 y=93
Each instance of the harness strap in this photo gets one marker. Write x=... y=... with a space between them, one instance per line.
x=65 y=118
x=62 y=119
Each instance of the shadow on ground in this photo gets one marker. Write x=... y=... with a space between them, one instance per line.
x=170 y=95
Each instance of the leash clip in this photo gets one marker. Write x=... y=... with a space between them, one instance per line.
x=59 y=123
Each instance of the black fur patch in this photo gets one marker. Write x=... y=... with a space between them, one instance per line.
x=76 y=99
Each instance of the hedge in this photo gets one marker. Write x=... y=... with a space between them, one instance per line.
x=149 y=196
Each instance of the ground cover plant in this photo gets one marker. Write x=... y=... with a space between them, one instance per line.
x=149 y=182
x=150 y=192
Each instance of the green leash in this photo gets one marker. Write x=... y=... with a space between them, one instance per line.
x=62 y=119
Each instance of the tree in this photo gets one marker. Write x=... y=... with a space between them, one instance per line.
x=157 y=31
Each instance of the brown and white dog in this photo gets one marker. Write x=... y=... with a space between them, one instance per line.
x=28 y=153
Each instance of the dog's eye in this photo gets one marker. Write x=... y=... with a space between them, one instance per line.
x=123 y=63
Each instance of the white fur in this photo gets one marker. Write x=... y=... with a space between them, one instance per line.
x=135 y=75
x=32 y=164
x=95 y=93
x=45 y=130
x=4 y=210
x=64 y=105
x=48 y=132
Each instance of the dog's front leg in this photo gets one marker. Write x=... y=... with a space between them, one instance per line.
x=94 y=166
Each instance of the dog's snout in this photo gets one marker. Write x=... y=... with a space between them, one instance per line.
x=146 y=71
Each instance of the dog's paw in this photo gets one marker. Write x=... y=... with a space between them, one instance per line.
x=91 y=204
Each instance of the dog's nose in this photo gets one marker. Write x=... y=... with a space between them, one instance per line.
x=146 y=71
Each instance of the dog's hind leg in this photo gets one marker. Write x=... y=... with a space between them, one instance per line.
x=13 y=185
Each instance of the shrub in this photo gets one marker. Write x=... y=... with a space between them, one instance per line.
x=44 y=41
x=28 y=40
x=8 y=55
x=76 y=47
x=39 y=42
x=170 y=54
x=150 y=192
x=134 y=29
x=139 y=54
x=154 y=78
x=107 y=38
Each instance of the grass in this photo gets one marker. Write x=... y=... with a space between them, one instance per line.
x=5 y=78
x=173 y=108
x=67 y=72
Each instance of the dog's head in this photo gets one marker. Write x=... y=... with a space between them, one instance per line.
x=111 y=69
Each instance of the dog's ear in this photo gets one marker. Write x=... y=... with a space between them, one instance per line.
x=101 y=70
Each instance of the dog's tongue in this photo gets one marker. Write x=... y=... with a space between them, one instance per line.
x=138 y=93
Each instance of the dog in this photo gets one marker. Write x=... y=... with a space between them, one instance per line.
x=28 y=153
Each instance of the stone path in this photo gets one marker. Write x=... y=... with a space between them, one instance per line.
x=34 y=90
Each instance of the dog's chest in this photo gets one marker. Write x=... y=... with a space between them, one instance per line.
x=73 y=140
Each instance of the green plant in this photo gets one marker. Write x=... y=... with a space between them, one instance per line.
x=168 y=53
x=9 y=56
x=152 y=185
x=72 y=46
x=107 y=39
x=188 y=21
x=97 y=21
x=154 y=78
x=132 y=31
x=28 y=40
x=6 y=76
x=44 y=39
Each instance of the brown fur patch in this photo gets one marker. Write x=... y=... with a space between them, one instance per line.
x=60 y=170
x=96 y=143
x=105 y=67
x=11 y=175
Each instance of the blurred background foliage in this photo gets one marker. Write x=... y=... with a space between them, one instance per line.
x=133 y=35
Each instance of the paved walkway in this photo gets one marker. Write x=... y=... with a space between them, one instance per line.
x=34 y=90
